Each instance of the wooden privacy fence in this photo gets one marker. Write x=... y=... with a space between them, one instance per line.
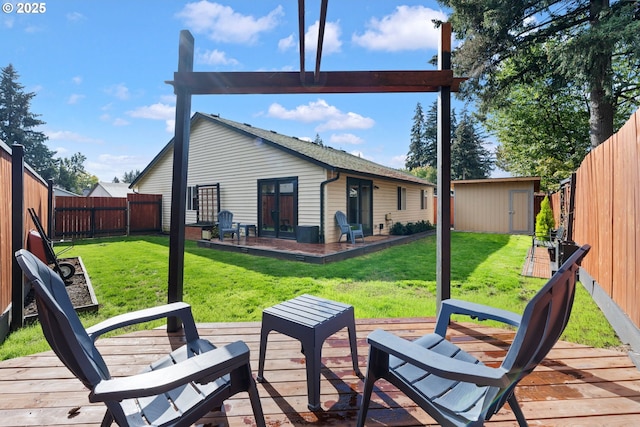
x=79 y=217
x=607 y=216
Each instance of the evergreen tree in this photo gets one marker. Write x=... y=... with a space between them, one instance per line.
x=318 y=140
x=417 y=146
x=131 y=176
x=584 y=39
x=469 y=158
x=17 y=124
x=544 y=220
x=431 y=135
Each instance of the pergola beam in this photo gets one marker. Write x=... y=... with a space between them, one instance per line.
x=291 y=82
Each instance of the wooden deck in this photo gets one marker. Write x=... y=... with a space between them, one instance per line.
x=575 y=385
x=537 y=263
x=316 y=253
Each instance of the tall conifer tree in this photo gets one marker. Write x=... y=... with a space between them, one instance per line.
x=18 y=123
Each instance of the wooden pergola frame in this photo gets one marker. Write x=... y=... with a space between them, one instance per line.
x=186 y=83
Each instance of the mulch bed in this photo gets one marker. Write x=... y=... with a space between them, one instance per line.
x=76 y=286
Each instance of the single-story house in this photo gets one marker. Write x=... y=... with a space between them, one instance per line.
x=110 y=189
x=278 y=183
x=495 y=205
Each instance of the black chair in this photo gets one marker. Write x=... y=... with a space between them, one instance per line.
x=177 y=390
x=451 y=385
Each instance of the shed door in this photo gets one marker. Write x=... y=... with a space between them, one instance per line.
x=520 y=216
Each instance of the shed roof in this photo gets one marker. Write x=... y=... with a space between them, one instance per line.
x=327 y=157
x=534 y=179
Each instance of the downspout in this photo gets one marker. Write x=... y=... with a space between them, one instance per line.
x=322 y=185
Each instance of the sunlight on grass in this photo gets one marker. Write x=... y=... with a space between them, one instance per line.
x=131 y=273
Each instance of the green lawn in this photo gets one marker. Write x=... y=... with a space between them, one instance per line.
x=131 y=273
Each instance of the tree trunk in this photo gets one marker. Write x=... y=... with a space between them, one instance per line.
x=601 y=106
x=600 y=116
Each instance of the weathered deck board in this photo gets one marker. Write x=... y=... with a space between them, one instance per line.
x=575 y=385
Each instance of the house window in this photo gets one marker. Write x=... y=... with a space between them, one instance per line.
x=192 y=202
x=402 y=199
x=423 y=199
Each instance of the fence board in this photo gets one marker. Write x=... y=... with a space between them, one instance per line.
x=80 y=217
x=35 y=195
x=607 y=215
x=145 y=212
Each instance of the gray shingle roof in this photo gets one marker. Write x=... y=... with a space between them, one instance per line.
x=327 y=157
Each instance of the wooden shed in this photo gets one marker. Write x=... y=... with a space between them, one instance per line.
x=496 y=205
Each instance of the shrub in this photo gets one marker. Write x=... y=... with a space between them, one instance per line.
x=399 y=229
x=544 y=220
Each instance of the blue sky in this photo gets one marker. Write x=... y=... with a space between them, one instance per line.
x=99 y=67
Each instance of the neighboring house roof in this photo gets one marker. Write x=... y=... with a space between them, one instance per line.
x=110 y=189
x=57 y=191
x=327 y=157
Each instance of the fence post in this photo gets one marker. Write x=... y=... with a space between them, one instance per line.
x=17 y=231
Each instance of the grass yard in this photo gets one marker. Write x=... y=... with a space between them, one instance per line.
x=131 y=273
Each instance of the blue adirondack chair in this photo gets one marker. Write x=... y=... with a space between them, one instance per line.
x=451 y=385
x=225 y=225
x=351 y=231
x=177 y=390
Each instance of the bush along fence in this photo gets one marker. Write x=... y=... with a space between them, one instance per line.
x=82 y=217
x=399 y=229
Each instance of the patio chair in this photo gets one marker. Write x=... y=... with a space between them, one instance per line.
x=225 y=225
x=350 y=230
x=177 y=390
x=451 y=385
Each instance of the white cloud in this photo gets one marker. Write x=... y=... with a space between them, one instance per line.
x=286 y=43
x=8 y=23
x=75 y=98
x=69 y=136
x=77 y=80
x=107 y=166
x=345 y=138
x=223 y=24
x=75 y=16
x=330 y=43
x=397 y=162
x=157 y=111
x=407 y=28
x=215 y=57
x=120 y=122
x=119 y=91
x=347 y=121
x=320 y=111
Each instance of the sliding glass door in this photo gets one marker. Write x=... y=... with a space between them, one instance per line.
x=278 y=207
x=360 y=203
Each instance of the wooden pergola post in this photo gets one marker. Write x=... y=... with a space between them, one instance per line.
x=443 y=228
x=179 y=186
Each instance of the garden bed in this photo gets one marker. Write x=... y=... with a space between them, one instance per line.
x=78 y=287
